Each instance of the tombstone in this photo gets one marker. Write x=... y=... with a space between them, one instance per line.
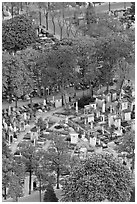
x=83 y=153
x=128 y=116
x=58 y=103
x=44 y=102
x=103 y=107
x=92 y=141
x=110 y=120
x=91 y=126
x=118 y=123
x=66 y=120
x=90 y=118
x=47 y=124
x=102 y=118
x=76 y=107
x=124 y=105
x=9 y=110
x=111 y=109
x=74 y=137
x=85 y=121
x=22 y=126
x=103 y=130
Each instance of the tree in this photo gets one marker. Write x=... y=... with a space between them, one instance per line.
x=61 y=63
x=43 y=171
x=28 y=158
x=17 y=33
x=99 y=177
x=127 y=144
x=108 y=51
x=17 y=79
x=90 y=14
x=6 y=173
x=17 y=175
x=49 y=195
x=57 y=156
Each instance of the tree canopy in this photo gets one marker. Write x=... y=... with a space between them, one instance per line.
x=17 y=33
x=99 y=177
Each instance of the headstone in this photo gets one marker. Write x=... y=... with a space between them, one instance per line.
x=91 y=126
x=58 y=103
x=44 y=102
x=66 y=120
x=74 y=138
x=76 y=107
x=93 y=141
x=103 y=107
x=128 y=116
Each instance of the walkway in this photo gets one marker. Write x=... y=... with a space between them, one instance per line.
x=44 y=116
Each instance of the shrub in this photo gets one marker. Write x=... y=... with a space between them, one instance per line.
x=49 y=195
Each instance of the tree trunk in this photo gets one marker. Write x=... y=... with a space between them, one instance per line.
x=16 y=103
x=133 y=162
x=11 y=10
x=2 y=12
x=40 y=17
x=40 y=190
x=5 y=193
x=21 y=7
x=16 y=199
x=54 y=28
x=107 y=87
x=45 y=94
x=58 y=177
x=47 y=23
x=61 y=32
x=91 y=90
x=30 y=175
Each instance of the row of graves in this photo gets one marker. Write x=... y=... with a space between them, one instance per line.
x=105 y=119
x=17 y=120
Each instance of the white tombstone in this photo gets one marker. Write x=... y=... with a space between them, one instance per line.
x=74 y=138
x=58 y=103
x=44 y=102
x=118 y=123
x=103 y=107
x=128 y=116
x=103 y=130
x=85 y=121
x=92 y=141
x=102 y=118
x=110 y=120
x=66 y=120
x=109 y=97
x=90 y=118
x=114 y=96
x=111 y=109
x=25 y=116
x=83 y=153
x=124 y=105
x=47 y=124
x=53 y=99
x=9 y=110
x=91 y=126
x=76 y=107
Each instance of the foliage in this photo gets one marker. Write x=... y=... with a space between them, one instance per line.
x=17 y=33
x=99 y=177
x=49 y=195
x=108 y=51
x=127 y=143
x=57 y=155
x=90 y=14
x=17 y=79
x=17 y=174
